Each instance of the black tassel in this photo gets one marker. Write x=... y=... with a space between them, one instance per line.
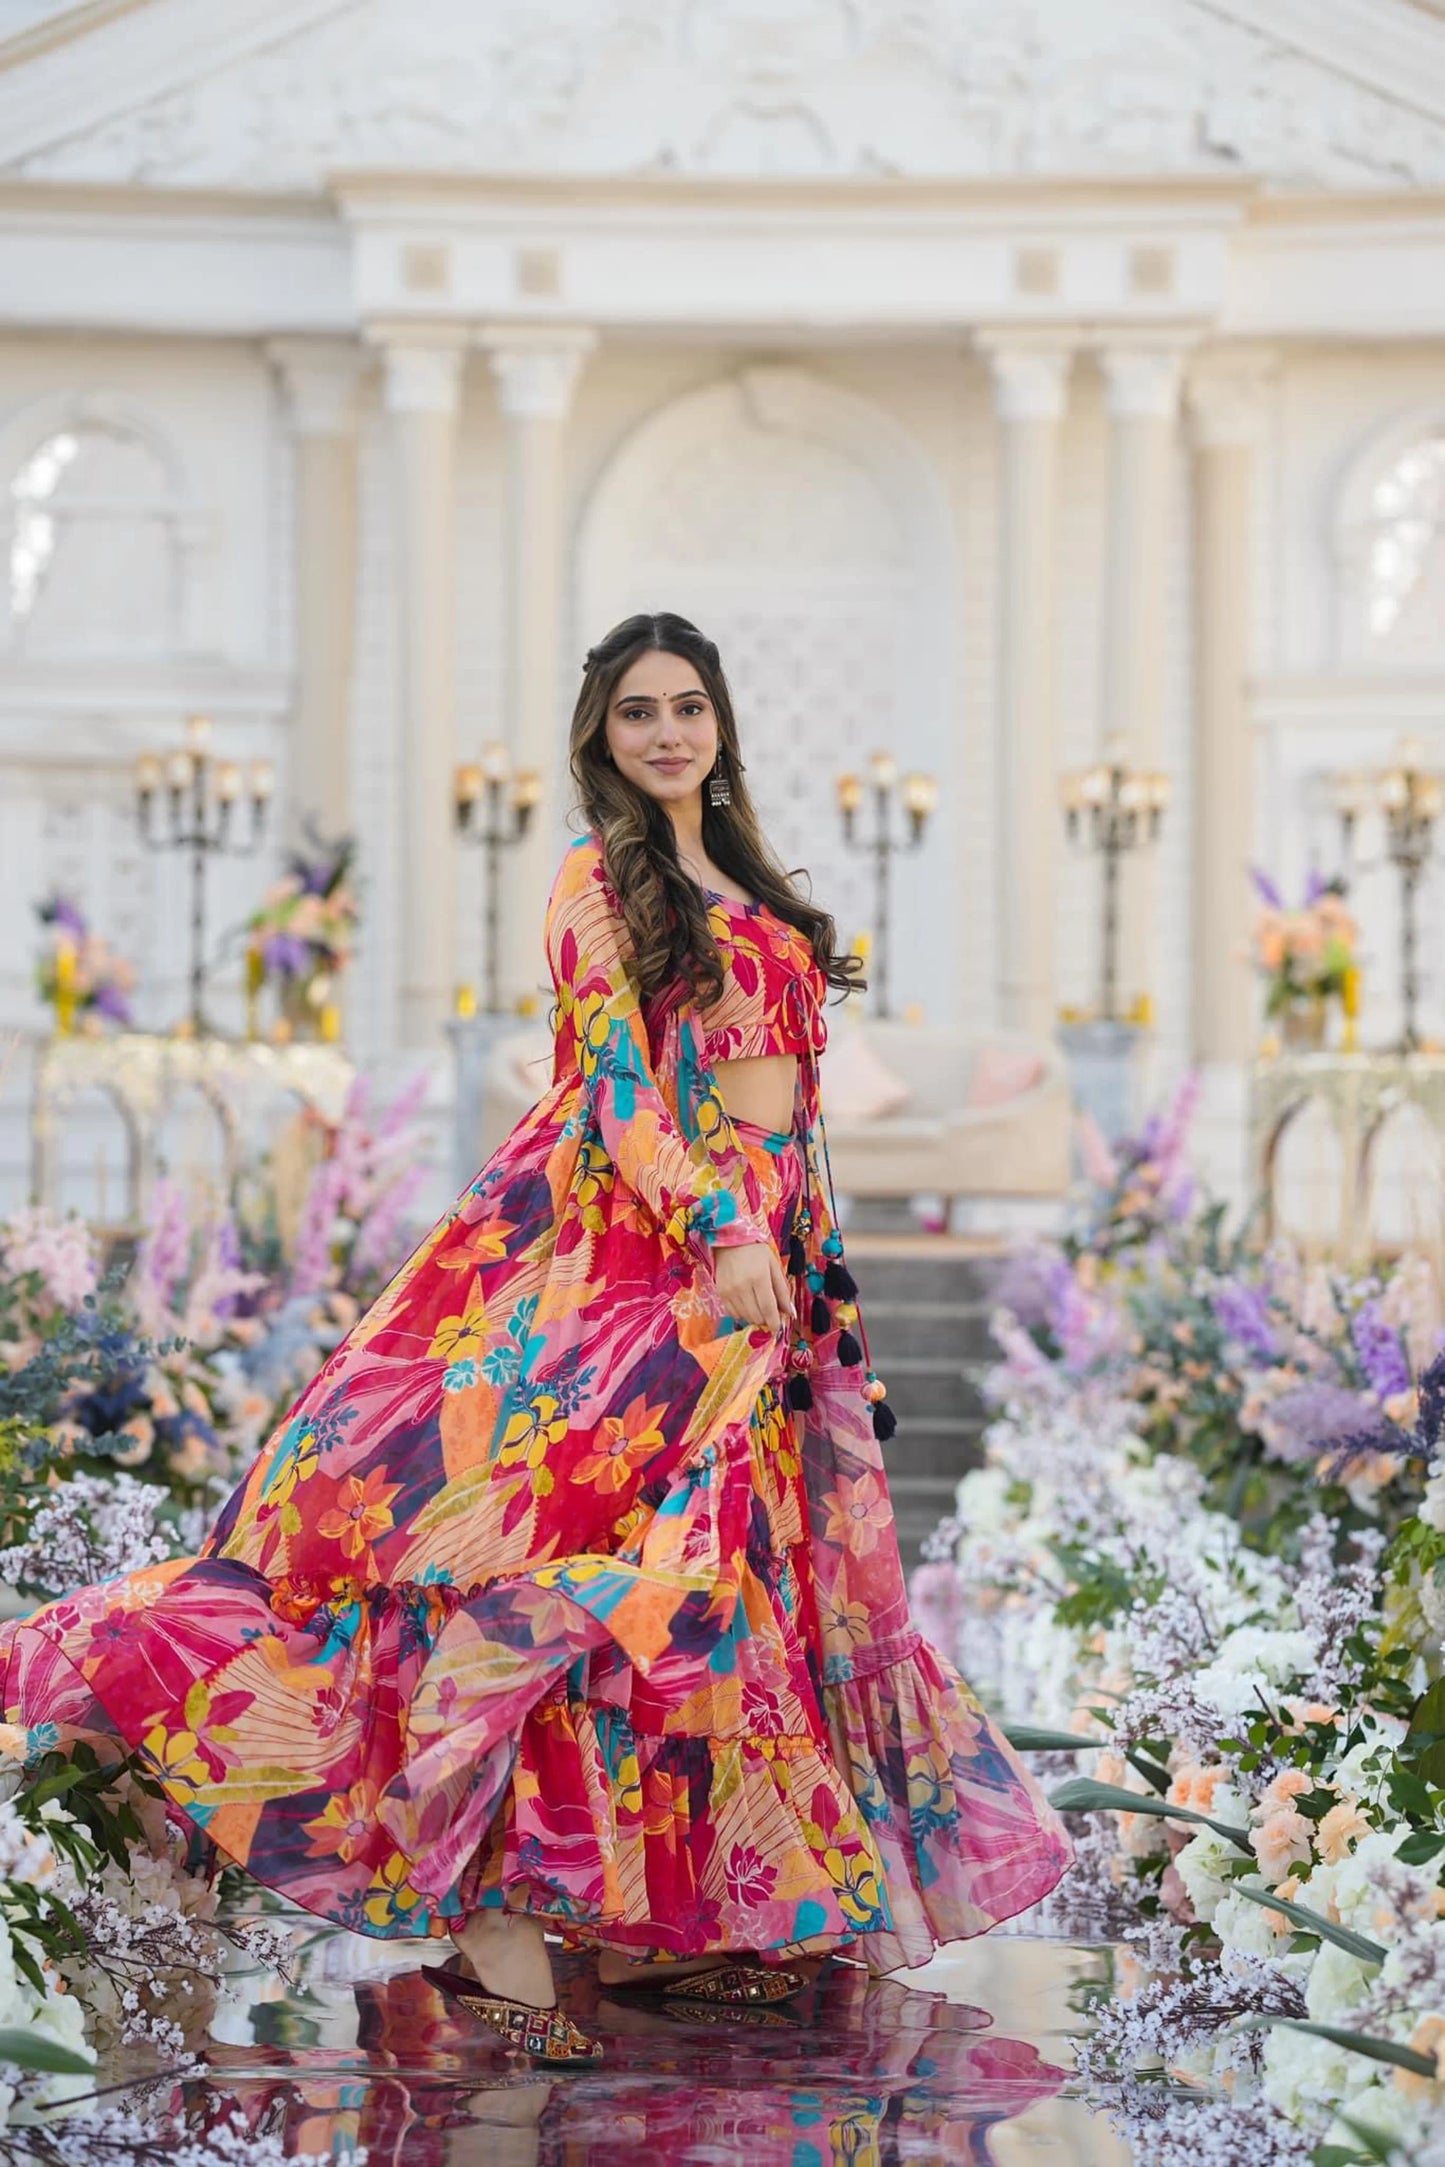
x=849 y=1351
x=798 y=1392
x=821 y=1315
x=838 y=1281
x=797 y=1256
x=885 y=1422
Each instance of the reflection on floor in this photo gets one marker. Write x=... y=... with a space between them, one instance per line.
x=968 y=2061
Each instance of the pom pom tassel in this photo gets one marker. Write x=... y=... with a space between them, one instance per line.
x=798 y=1392
x=885 y=1422
x=838 y=1281
x=849 y=1351
x=797 y=1256
x=820 y=1315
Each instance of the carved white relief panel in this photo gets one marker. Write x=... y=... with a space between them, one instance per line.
x=783 y=518
x=794 y=86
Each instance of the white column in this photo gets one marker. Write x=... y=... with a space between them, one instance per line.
x=423 y=383
x=1225 y=412
x=1142 y=388
x=536 y=371
x=1030 y=389
x=320 y=379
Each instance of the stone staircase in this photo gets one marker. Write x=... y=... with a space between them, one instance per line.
x=925 y=1302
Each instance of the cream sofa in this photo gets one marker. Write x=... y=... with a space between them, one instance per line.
x=990 y=1116
x=939 y=1140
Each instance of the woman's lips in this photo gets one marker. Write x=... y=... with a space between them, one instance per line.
x=669 y=767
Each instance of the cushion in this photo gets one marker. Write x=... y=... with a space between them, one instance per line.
x=856 y=1084
x=1001 y=1073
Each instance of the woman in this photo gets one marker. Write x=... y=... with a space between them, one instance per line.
x=568 y=1591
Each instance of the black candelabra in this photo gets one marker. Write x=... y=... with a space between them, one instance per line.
x=919 y=794
x=494 y=805
x=202 y=795
x=1113 y=810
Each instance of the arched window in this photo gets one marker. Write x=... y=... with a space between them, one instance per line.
x=94 y=563
x=1407 y=529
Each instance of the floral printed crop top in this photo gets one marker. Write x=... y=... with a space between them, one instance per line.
x=773 y=988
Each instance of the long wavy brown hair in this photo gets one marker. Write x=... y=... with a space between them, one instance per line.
x=663 y=906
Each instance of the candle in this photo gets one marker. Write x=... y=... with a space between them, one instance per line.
x=884 y=770
x=228 y=782
x=467 y=785
x=526 y=789
x=496 y=762
x=178 y=772
x=198 y=732
x=148 y=773
x=850 y=793
x=920 y=795
x=263 y=780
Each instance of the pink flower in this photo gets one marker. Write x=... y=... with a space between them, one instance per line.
x=1288 y=1784
x=1341 y=1828
x=1281 y=1841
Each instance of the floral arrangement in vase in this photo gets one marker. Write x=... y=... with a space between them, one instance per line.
x=1307 y=957
x=302 y=938
x=77 y=973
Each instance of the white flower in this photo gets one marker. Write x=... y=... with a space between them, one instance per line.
x=1432 y=1504
x=1301 y=2071
x=1241 y=1924
x=1208 y=1860
x=1255 y=1660
x=984 y=1507
x=1338 y=1983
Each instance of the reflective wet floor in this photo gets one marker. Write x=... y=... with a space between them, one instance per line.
x=969 y=2061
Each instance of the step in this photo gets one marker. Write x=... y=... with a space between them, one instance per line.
x=929 y=1328
x=888 y=1276
x=929 y=1449
x=928 y=1391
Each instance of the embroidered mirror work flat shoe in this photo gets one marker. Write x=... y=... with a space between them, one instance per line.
x=730 y=1986
x=545 y=2035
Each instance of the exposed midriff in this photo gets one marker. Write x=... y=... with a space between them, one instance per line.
x=759 y=1087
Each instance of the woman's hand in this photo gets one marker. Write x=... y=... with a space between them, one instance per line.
x=752 y=1285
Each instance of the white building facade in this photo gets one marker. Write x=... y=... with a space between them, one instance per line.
x=985 y=380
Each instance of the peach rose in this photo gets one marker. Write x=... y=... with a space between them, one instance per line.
x=1282 y=1840
x=1428 y=2037
x=1302 y=1712
x=1340 y=1830
x=1289 y=1890
x=1288 y=1784
x=1194 y=1787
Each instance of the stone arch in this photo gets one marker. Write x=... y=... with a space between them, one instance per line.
x=805 y=530
x=1402 y=1182
x=1361 y=531
x=99 y=532
x=1305 y=1174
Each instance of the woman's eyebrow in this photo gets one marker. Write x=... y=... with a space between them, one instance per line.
x=650 y=699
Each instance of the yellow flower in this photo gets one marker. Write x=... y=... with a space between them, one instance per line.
x=859 y=1898
x=458 y=1336
x=528 y=1434
x=624 y=1441
x=177 y=1756
x=294 y=1463
x=594 y=1028
x=391 y=1898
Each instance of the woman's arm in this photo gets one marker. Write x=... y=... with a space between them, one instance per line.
x=679 y=1181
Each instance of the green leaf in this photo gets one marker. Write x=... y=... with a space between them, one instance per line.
x=33 y=2050
x=1418 y=1850
x=1025 y=1738
x=1081 y=1794
x=1375 y=2050
x=1312 y=1922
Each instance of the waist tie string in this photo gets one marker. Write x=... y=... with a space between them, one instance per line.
x=833 y=1282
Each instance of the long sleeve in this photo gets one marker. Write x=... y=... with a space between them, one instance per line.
x=680 y=1180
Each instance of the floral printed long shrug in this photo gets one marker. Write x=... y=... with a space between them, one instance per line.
x=506 y=1609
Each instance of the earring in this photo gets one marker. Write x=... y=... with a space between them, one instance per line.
x=718 y=792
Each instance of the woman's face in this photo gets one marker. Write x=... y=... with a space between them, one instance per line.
x=662 y=728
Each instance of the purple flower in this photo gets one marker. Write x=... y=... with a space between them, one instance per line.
x=108 y=1000
x=1028 y=1286
x=68 y=916
x=1243 y=1316
x=285 y=954
x=1382 y=1358
x=1310 y=1418
x=1265 y=889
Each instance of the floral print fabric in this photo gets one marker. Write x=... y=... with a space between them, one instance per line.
x=543 y=1595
